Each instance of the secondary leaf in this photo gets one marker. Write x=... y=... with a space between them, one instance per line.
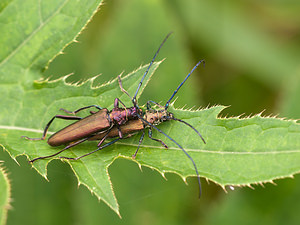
x=4 y=195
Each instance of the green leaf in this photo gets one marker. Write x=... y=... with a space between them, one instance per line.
x=4 y=195
x=238 y=151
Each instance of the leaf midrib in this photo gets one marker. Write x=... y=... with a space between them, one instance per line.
x=171 y=148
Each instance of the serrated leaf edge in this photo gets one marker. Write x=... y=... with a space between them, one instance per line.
x=76 y=36
x=116 y=210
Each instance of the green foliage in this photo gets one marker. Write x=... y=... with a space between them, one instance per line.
x=239 y=151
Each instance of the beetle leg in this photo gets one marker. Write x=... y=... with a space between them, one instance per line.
x=78 y=110
x=148 y=105
x=154 y=139
x=49 y=123
x=140 y=142
x=101 y=147
x=116 y=104
x=120 y=132
x=105 y=136
x=67 y=147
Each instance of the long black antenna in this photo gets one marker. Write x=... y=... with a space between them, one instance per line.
x=168 y=102
x=185 y=152
x=140 y=84
x=186 y=123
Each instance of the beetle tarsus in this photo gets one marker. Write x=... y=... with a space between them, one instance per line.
x=154 y=139
x=80 y=109
x=33 y=139
x=101 y=147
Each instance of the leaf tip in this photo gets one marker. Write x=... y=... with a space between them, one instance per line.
x=140 y=166
x=224 y=188
x=250 y=186
x=163 y=174
x=184 y=180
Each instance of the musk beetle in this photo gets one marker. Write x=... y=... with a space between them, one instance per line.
x=102 y=120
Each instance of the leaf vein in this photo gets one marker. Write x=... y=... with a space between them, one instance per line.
x=14 y=52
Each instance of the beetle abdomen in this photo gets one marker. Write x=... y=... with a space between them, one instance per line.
x=83 y=128
x=132 y=126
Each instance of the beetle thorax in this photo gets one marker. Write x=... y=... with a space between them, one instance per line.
x=156 y=117
x=120 y=115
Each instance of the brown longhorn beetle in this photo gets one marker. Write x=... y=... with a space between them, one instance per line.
x=105 y=124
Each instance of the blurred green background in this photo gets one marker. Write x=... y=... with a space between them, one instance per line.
x=252 y=53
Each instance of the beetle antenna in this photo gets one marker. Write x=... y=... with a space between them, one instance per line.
x=174 y=93
x=185 y=152
x=140 y=84
x=186 y=123
x=121 y=87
